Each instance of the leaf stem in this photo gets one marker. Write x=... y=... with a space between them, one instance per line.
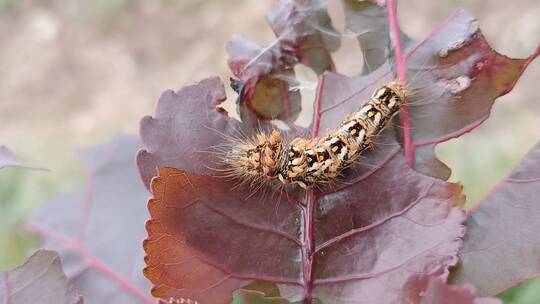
x=401 y=68
x=308 y=208
x=7 y=291
x=308 y=247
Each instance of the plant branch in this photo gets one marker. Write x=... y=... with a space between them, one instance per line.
x=401 y=68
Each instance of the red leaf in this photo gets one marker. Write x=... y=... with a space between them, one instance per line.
x=39 y=280
x=502 y=244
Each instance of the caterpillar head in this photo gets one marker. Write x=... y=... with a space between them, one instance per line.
x=393 y=94
x=400 y=89
x=258 y=157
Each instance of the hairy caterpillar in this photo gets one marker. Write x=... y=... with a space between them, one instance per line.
x=316 y=161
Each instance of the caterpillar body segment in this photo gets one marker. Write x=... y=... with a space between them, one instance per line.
x=318 y=161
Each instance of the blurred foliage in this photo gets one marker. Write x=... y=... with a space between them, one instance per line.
x=22 y=190
x=527 y=292
x=6 y=5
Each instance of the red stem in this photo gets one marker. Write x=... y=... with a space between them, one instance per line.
x=401 y=67
x=401 y=62
x=308 y=208
x=308 y=247
x=7 y=292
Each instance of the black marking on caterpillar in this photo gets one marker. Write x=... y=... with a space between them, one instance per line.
x=316 y=161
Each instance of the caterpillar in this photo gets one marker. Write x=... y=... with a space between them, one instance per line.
x=317 y=161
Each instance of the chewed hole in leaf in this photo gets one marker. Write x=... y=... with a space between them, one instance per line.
x=455 y=85
x=306 y=84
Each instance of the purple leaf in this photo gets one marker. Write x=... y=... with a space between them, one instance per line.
x=445 y=104
x=466 y=77
x=98 y=229
x=307 y=23
x=422 y=289
x=195 y=108
x=39 y=280
x=187 y=126
x=502 y=245
x=8 y=159
x=304 y=34
x=322 y=245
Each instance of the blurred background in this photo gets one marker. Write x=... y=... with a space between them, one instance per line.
x=73 y=73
